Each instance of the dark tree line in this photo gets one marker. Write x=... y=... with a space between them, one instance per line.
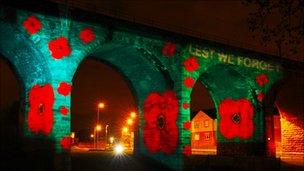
x=280 y=21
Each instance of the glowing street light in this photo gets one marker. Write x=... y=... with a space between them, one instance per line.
x=119 y=149
x=129 y=121
x=98 y=127
x=133 y=114
x=111 y=140
x=72 y=135
x=125 y=129
x=92 y=135
x=101 y=105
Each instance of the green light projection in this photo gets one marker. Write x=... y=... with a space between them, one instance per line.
x=139 y=58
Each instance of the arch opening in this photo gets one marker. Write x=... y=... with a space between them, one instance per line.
x=284 y=128
x=104 y=108
x=11 y=118
x=203 y=121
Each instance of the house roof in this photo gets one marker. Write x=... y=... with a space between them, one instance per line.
x=210 y=112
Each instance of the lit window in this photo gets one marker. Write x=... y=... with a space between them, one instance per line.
x=206 y=123
x=207 y=136
x=196 y=125
x=196 y=137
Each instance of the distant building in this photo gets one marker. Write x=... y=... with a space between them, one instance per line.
x=203 y=137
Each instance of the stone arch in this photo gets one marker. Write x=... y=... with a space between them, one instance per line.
x=30 y=68
x=28 y=62
x=222 y=82
x=142 y=76
x=136 y=70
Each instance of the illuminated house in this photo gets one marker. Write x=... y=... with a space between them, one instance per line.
x=203 y=137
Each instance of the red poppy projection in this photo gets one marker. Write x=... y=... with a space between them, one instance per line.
x=236 y=118
x=64 y=110
x=186 y=105
x=160 y=114
x=169 y=49
x=60 y=48
x=87 y=35
x=32 y=24
x=66 y=143
x=191 y=64
x=189 y=82
x=187 y=150
x=40 y=115
x=187 y=125
x=64 y=88
x=260 y=96
x=262 y=79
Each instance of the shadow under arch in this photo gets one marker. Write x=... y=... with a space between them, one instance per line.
x=223 y=82
x=272 y=113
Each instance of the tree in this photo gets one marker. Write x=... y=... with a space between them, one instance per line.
x=280 y=21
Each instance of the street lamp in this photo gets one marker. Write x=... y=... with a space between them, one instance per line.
x=101 y=105
x=97 y=129
x=129 y=121
x=125 y=129
x=111 y=140
x=107 y=135
x=133 y=114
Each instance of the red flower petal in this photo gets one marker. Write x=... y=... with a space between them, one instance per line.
x=66 y=142
x=262 y=79
x=59 y=48
x=152 y=107
x=187 y=125
x=87 y=35
x=40 y=115
x=169 y=49
x=189 y=82
x=152 y=138
x=260 y=96
x=246 y=124
x=64 y=88
x=169 y=106
x=186 y=105
x=244 y=127
x=187 y=150
x=191 y=64
x=64 y=110
x=32 y=24
x=169 y=137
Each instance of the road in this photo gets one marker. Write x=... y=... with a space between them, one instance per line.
x=108 y=161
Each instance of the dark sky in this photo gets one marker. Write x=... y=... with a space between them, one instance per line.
x=222 y=21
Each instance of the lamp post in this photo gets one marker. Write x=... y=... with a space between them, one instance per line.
x=100 y=106
x=107 y=135
x=98 y=126
x=97 y=129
